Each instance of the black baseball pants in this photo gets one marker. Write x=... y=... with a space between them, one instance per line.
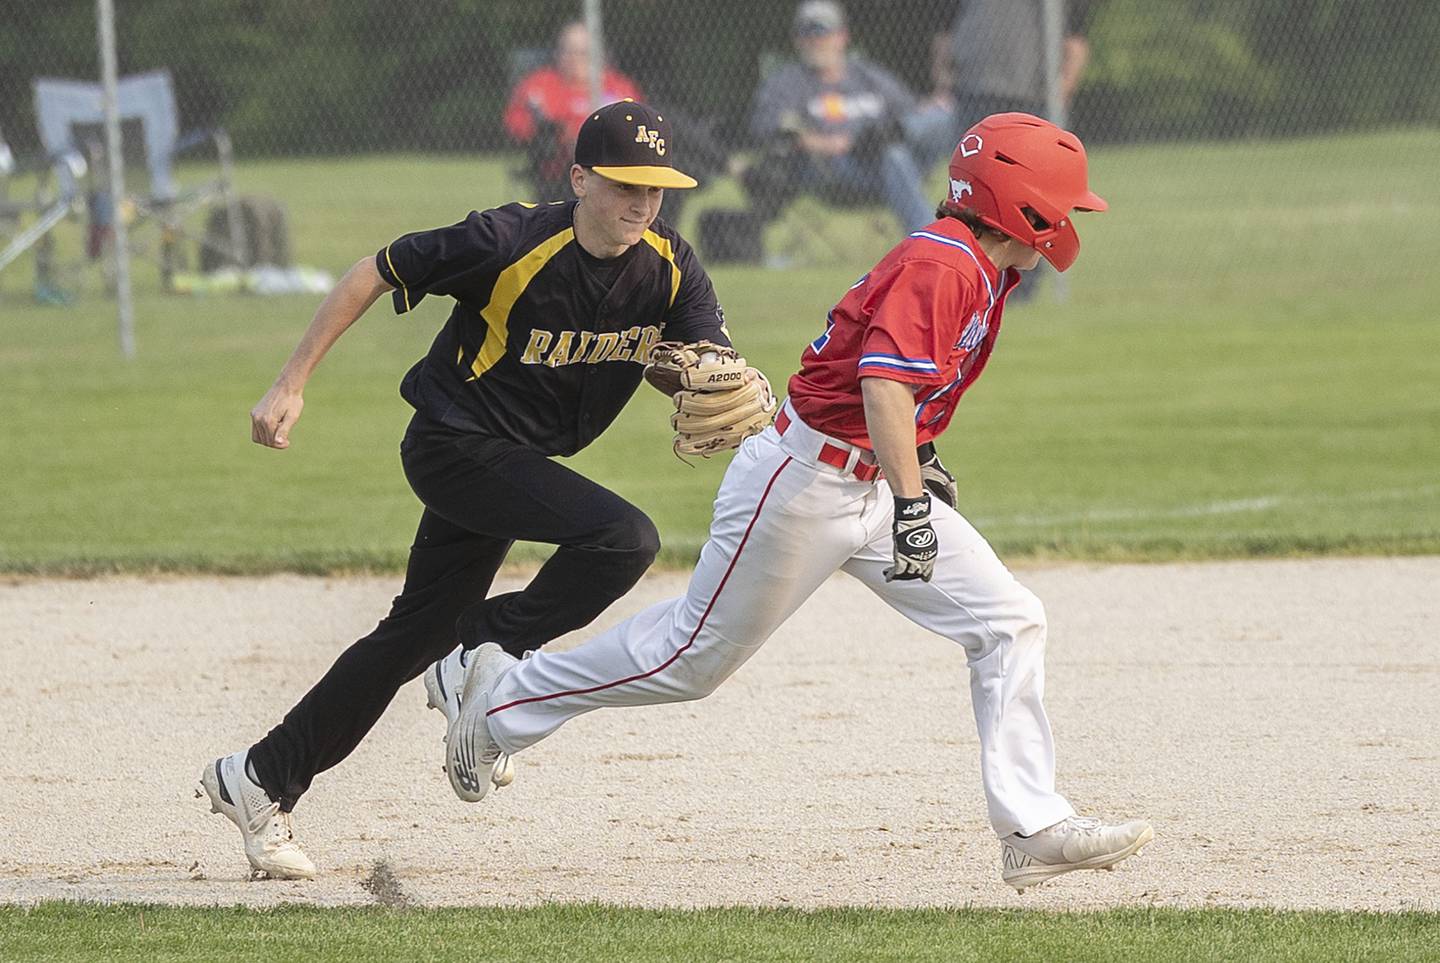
x=481 y=494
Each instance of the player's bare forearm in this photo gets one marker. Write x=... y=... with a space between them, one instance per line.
x=275 y=414
x=890 y=422
x=342 y=307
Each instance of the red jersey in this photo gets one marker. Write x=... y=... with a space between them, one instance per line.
x=927 y=315
x=546 y=96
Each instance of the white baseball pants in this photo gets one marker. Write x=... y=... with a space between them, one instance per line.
x=784 y=522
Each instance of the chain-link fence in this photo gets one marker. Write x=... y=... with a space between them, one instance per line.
x=837 y=106
x=326 y=77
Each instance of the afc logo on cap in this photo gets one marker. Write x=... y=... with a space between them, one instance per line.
x=650 y=138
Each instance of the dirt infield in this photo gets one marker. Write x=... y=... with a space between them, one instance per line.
x=1276 y=721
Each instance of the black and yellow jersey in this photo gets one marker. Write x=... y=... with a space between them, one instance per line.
x=546 y=343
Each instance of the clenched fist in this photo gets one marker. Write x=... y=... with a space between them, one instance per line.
x=274 y=415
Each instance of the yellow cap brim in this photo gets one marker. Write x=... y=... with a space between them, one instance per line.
x=648 y=176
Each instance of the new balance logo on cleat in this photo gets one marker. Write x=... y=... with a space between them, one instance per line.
x=465 y=776
x=1014 y=859
x=473 y=759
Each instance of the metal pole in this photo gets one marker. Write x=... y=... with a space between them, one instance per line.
x=109 y=75
x=595 y=26
x=1054 y=36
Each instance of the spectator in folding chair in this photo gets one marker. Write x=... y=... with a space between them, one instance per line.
x=548 y=106
x=832 y=125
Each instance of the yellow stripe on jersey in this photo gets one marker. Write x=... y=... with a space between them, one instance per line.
x=508 y=288
x=663 y=248
x=403 y=289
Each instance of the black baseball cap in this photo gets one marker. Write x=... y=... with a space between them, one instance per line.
x=629 y=142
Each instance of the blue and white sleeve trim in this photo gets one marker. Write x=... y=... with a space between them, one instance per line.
x=895 y=362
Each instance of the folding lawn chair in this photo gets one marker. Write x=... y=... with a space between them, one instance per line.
x=69 y=113
x=35 y=197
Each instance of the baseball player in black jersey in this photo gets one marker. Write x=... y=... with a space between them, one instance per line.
x=556 y=308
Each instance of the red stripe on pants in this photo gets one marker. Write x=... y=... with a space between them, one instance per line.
x=688 y=642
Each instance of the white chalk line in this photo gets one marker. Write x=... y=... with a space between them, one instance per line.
x=1235 y=506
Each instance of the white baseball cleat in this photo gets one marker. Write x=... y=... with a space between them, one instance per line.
x=443 y=682
x=269 y=838
x=1080 y=842
x=472 y=757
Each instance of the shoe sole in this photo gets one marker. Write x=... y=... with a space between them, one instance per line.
x=1033 y=876
x=465 y=739
x=462 y=757
x=504 y=772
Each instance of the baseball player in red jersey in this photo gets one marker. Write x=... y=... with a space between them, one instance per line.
x=847 y=480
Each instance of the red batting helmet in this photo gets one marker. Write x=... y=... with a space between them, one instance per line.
x=1023 y=175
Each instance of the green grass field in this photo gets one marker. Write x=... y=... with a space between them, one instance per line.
x=153 y=934
x=1245 y=366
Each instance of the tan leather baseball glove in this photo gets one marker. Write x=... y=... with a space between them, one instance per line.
x=719 y=399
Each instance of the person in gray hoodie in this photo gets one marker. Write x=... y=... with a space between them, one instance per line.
x=831 y=124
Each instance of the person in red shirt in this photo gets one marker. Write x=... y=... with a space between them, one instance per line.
x=847 y=480
x=548 y=106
